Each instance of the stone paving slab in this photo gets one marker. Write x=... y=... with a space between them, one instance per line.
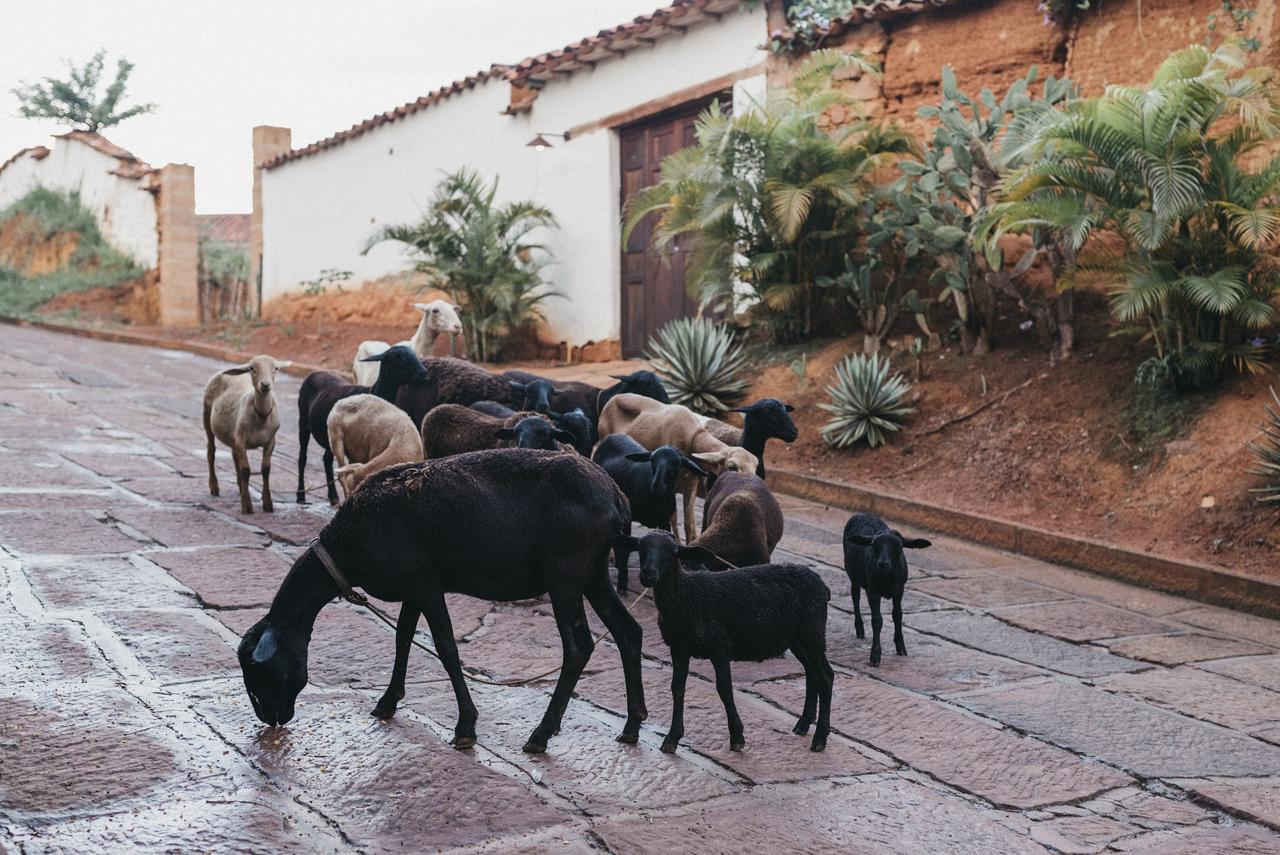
x=1081 y=620
x=1261 y=671
x=1205 y=841
x=104 y=583
x=61 y=533
x=1256 y=799
x=1204 y=695
x=1232 y=624
x=229 y=577
x=989 y=590
x=1147 y=740
x=1180 y=649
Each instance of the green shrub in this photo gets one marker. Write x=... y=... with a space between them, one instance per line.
x=699 y=363
x=867 y=402
x=1267 y=452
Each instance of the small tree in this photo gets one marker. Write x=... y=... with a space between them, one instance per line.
x=76 y=101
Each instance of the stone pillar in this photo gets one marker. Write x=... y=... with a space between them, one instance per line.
x=267 y=143
x=179 y=292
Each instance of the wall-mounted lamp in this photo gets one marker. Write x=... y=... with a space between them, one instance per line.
x=541 y=143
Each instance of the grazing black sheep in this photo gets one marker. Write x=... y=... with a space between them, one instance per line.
x=648 y=480
x=873 y=559
x=456 y=381
x=576 y=422
x=741 y=521
x=744 y=615
x=451 y=429
x=762 y=421
x=591 y=399
x=508 y=524
x=320 y=390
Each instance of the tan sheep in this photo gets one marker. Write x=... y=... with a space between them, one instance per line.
x=241 y=411
x=368 y=434
x=654 y=424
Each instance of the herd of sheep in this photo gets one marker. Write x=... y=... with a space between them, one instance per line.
x=511 y=486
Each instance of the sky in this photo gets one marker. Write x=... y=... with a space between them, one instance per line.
x=216 y=68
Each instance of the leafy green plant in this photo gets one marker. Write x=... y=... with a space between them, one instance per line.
x=76 y=100
x=867 y=401
x=769 y=198
x=1166 y=169
x=328 y=276
x=223 y=270
x=699 y=363
x=485 y=256
x=1267 y=452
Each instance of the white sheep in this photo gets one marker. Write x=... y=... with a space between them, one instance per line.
x=241 y=411
x=368 y=434
x=438 y=317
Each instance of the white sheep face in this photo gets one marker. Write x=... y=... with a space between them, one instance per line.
x=440 y=317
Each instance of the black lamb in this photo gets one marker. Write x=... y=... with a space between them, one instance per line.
x=456 y=381
x=744 y=615
x=591 y=399
x=574 y=421
x=648 y=480
x=508 y=524
x=762 y=421
x=873 y=559
x=320 y=390
x=451 y=429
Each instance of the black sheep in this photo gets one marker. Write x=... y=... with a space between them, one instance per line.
x=744 y=615
x=591 y=399
x=508 y=524
x=320 y=390
x=456 y=381
x=451 y=429
x=534 y=432
x=873 y=559
x=762 y=421
x=576 y=422
x=648 y=480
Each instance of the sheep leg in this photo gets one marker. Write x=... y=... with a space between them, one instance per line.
x=899 y=643
x=267 y=451
x=213 y=452
x=406 y=625
x=679 y=675
x=328 y=477
x=464 y=732
x=826 y=681
x=627 y=635
x=690 y=507
x=576 y=642
x=873 y=600
x=859 y=631
x=240 y=457
x=304 y=439
x=810 y=690
x=675 y=526
x=621 y=560
x=724 y=687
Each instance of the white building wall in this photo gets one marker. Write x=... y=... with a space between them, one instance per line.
x=124 y=209
x=318 y=210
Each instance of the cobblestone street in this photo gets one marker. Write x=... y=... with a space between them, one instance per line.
x=1039 y=709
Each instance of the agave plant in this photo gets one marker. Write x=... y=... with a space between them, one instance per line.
x=867 y=401
x=699 y=364
x=1268 y=453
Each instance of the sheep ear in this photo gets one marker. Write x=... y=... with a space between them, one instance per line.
x=348 y=468
x=626 y=540
x=267 y=646
x=694 y=468
x=790 y=409
x=697 y=554
x=562 y=436
x=285 y=364
x=377 y=357
x=916 y=543
x=748 y=408
x=519 y=387
x=505 y=433
x=712 y=458
x=859 y=540
x=422 y=307
x=239 y=369
x=620 y=376
x=639 y=456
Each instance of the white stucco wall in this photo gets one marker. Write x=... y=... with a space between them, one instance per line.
x=124 y=209
x=318 y=210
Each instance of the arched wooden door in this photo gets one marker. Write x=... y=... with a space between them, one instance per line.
x=653 y=286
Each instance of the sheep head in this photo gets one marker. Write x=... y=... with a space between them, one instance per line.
x=534 y=432
x=640 y=383
x=440 y=317
x=273 y=662
x=731 y=459
x=773 y=418
x=665 y=463
x=660 y=555
x=886 y=551
x=536 y=395
x=262 y=371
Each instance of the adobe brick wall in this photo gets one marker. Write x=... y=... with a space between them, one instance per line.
x=268 y=142
x=178 y=293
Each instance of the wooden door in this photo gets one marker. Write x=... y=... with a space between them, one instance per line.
x=653 y=286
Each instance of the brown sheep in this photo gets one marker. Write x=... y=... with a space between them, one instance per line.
x=450 y=429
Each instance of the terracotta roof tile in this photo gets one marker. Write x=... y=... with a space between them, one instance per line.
x=389 y=116
x=37 y=152
x=229 y=228
x=130 y=165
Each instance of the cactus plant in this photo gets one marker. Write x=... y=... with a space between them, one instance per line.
x=1268 y=454
x=699 y=363
x=867 y=402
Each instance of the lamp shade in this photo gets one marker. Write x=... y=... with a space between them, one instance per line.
x=539 y=143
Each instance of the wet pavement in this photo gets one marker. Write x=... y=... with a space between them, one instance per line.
x=1040 y=708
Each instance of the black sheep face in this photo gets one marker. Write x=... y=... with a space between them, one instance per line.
x=400 y=366
x=774 y=416
x=643 y=383
x=886 y=551
x=665 y=463
x=537 y=395
x=660 y=556
x=274 y=666
x=576 y=422
x=535 y=432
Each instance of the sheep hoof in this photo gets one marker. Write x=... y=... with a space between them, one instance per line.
x=384 y=710
x=533 y=747
x=669 y=746
x=302 y=500
x=737 y=746
x=213 y=490
x=859 y=633
x=268 y=508
x=462 y=743
x=875 y=660
x=818 y=745
x=246 y=509
x=801 y=728
x=628 y=738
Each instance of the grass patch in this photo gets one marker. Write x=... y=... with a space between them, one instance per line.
x=94 y=263
x=1152 y=416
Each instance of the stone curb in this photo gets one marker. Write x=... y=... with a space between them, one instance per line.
x=213 y=351
x=1183 y=578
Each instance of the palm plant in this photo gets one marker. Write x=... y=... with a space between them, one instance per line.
x=1267 y=452
x=867 y=402
x=1165 y=169
x=769 y=197
x=699 y=364
x=484 y=255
